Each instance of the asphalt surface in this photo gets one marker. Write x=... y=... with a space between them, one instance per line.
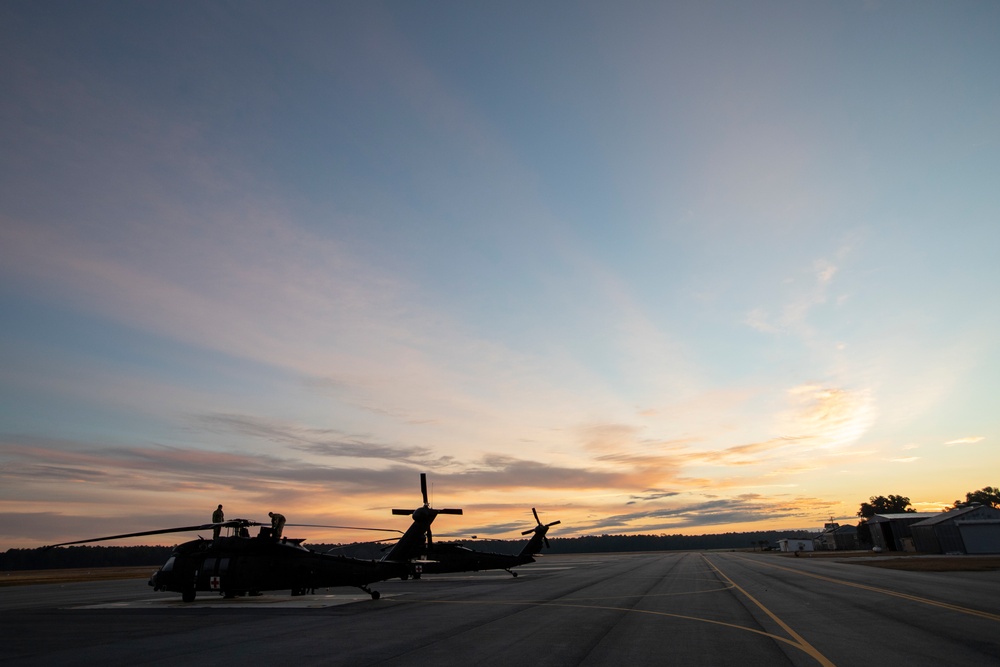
x=670 y=608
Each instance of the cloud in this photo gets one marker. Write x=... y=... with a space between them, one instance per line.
x=161 y=467
x=652 y=495
x=825 y=271
x=185 y=481
x=796 y=308
x=325 y=442
x=507 y=472
x=832 y=416
x=361 y=480
x=965 y=441
x=609 y=437
x=747 y=454
x=758 y=319
x=818 y=418
x=51 y=527
x=744 y=509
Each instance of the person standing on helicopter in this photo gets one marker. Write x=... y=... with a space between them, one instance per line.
x=218 y=516
x=277 y=524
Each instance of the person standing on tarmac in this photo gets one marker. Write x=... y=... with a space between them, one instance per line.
x=277 y=524
x=218 y=516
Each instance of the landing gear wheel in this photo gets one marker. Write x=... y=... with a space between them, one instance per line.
x=515 y=574
x=189 y=595
x=375 y=595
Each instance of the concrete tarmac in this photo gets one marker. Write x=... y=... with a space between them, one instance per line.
x=673 y=608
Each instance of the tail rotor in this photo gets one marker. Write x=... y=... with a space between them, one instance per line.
x=540 y=529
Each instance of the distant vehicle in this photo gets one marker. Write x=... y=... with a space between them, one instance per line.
x=451 y=557
x=239 y=564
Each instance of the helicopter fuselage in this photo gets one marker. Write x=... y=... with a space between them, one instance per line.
x=238 y=565
x=445 y=557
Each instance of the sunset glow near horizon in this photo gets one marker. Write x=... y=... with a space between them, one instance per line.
x=685 y=267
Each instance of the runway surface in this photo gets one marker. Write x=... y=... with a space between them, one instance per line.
x=673 y=608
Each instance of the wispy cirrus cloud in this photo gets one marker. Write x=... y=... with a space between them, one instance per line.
x=965 y=441
x=326 y=442
x=817 y=418
x=160 y=467
x=832 y=416
x=747 y=509
x=748 y=454
x=652 y=494
x=792 y=315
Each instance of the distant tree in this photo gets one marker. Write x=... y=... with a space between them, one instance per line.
x=984 y=496
x=885 y=505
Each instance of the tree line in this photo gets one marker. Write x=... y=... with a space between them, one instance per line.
x=103 y=556
x=77 y=556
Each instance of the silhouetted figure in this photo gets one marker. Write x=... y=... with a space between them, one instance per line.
x=277 y=523
x=218 y=516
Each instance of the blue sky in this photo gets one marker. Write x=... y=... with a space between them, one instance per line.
x=649 y=267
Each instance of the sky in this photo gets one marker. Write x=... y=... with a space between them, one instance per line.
x=648 y=267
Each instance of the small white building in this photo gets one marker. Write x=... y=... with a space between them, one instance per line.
x=796 y=544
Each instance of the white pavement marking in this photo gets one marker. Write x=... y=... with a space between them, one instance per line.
x=256 y=602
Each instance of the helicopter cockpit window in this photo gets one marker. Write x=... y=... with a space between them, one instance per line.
x=223 y=564
x=169 y=565
x=209 y=565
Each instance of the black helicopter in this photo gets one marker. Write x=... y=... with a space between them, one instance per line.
x=239 y=564
x=451 y=557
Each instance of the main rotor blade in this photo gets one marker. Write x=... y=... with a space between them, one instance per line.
x=314 y=525
x=537 y=520
x=552 y=524
x=546 y=540
x=163 y=531
x=423 y=487
x=406 y=512
x=342 y=547
x=449 y=511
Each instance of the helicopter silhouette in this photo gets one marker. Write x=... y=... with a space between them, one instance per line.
x=451 y=557
x=239 y=564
